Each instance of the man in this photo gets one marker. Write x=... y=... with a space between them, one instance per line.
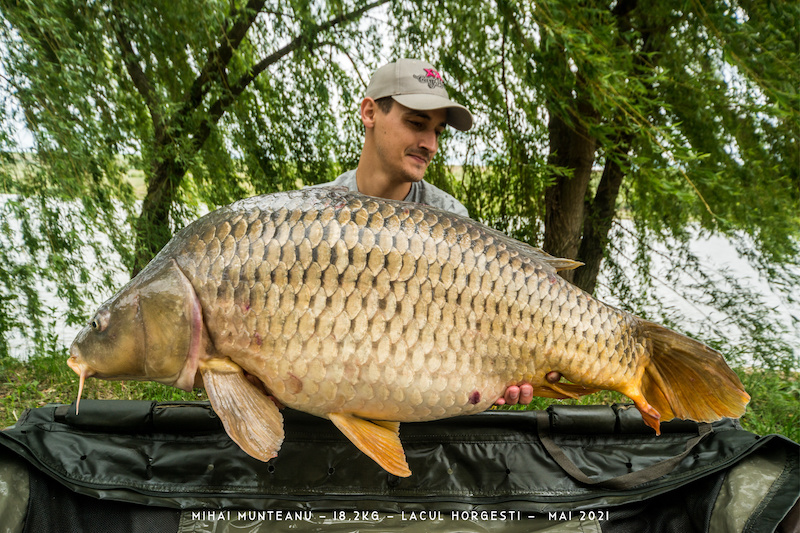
x=405 y=109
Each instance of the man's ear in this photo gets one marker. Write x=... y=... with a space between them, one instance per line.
x=368 y=110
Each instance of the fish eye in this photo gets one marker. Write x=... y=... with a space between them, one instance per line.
x=100 y=321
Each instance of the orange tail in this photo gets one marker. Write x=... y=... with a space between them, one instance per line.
x=686 y=379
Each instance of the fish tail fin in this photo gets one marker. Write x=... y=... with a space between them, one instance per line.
x=686 y=379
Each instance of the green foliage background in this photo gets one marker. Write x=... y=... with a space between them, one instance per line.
x=692 y=106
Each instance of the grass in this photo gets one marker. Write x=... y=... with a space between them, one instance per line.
x=774 y=405
x=136 y=179
x=47 y=379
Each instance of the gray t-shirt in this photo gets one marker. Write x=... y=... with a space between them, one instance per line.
x=421 y=192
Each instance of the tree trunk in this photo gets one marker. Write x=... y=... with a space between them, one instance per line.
x=600 y=214
x=571 y=149
x=153 y=229
x=577 y=227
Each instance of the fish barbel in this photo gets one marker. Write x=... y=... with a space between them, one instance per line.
x=372 y=312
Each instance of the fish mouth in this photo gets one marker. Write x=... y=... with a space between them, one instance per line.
x=83 y=369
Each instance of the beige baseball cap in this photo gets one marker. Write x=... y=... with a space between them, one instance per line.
x=417 y=85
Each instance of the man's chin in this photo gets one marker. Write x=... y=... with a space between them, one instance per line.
x=415 y=174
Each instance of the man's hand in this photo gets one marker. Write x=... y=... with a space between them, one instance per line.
x=524 y=393
x=514 y=395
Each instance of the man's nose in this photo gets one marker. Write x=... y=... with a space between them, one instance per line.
x=429 y=141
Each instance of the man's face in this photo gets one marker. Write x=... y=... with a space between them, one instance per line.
x=407 y=139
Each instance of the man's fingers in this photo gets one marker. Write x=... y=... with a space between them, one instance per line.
x=511 y=396
x=525 y=393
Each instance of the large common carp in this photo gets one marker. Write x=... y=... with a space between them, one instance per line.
x=372 y=312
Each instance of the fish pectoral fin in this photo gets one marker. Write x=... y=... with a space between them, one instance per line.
x=379 y=439
x=562 y=390
x=250 y=418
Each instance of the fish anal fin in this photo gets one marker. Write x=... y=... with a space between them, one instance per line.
x=394 y=427
x=379 y=440
x=650 y=414
x=562 y=390
x=250 y=417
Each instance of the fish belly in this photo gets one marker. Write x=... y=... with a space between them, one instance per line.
x=389 y=310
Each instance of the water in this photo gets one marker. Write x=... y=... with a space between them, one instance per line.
x=718 y=257
x=57 y=309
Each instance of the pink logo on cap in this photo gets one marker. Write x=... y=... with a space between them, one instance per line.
x=433 y=73
x=432 y=78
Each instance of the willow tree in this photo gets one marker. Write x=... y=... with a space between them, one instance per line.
x=187 y=88
x=212 y=101
x=680 y=117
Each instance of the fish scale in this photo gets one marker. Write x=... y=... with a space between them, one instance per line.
x=348 y=235
x=373 y=312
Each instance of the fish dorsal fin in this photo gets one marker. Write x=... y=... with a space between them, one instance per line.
x=380 y=440
x=558 y=263
x=561 y=263
x=250 y=418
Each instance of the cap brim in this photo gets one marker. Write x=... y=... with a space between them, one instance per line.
x=457 y=115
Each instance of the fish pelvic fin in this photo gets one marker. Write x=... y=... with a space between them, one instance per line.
x=686 y=379
x=380 y=440
x=250 y=417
